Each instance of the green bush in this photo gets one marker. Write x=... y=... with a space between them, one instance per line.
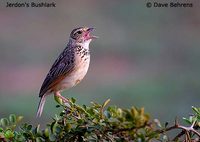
x=99 y=123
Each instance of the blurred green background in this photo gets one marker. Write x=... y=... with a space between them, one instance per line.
x=146 y=57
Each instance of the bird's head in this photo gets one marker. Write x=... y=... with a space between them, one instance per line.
x=82 y=34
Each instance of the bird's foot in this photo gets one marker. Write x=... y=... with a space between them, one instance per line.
x=60 y=99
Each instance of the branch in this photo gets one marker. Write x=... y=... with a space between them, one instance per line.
x=125 y=129
x=185 y=130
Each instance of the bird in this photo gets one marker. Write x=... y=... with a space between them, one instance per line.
x=69 y=68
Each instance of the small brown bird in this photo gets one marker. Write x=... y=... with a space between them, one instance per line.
x=69 y=68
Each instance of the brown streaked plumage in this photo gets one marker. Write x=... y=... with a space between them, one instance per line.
x=69 y=68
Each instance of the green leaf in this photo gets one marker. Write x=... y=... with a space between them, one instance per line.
x=198 y=124
x=73 y=100
x=57 y=106
x=58 y=100
x=4 y=122
x=37 y=129
x=67 y=127
x=105 y=103
x=52 y=125
x=187 y=120
x=52 y=137
x=80 y=121
x=9 y=134
x=62 y=113
x=19 y=119
x=79 y=108
x=158 y=123
x=166 y=124
x=196 y=110
x=18 y=137
x=56 y=128
x=165 y=138
x=13 y=118
x=46 y=132
x=1 y=129
x=29 y=127
x=107 y=114
x=84 y=107
x=38 y=139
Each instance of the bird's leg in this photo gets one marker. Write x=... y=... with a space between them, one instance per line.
x=65 y=100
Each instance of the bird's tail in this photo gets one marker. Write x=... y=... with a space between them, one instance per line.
x=41 y=105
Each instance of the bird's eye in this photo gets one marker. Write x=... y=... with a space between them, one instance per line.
x=79 y=32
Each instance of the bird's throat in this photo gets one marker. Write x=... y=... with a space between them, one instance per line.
x=85 y=44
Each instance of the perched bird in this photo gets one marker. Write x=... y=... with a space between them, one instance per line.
x=69 y=68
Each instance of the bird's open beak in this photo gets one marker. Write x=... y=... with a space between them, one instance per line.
x=89 y=30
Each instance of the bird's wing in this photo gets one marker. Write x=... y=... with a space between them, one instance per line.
x=63 y=65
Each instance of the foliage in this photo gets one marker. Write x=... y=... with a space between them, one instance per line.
x=99 y=123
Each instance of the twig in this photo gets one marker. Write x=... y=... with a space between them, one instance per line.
x=185 y=130
x=179 y=135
